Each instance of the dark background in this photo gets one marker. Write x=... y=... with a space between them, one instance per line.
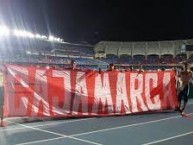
x=90 y=21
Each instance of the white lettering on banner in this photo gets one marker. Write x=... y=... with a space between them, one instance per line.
x=121 y=94
x=167 y=89
x=21 y=75
x=67 y=93
x=81 y=94
x=157 y=103
x=37 y=92
x=136 y=93
x=19 y=102
x=102 y=94
x=11 y=94
x=40 y=101
x=1 y=79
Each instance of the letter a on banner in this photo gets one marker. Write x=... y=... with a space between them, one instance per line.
x=122 y=105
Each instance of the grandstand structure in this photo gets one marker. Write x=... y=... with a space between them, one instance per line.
x=146 y=53
x=22 y=50
x=25 y=47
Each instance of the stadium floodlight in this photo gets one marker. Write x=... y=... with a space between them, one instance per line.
x=38 y=36
x=57 y=39
x=4 y=31
x=51 y=38
x=61 y=40
x=44 y=37
x=30 y=35
x=21 y=33
x=16 y=32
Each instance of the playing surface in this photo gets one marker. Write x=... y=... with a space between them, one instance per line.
x=157 y=128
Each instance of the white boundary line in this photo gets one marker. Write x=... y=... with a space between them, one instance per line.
x=62 y=122
x=169 y=138
x=73 y=136
x=108 y=129
x=41 y=125
x=55 y=123
x=45 y=140
x=58 y=134
x=130 y=125
x=11 y=129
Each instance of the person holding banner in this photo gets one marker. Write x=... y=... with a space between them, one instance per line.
x=111 y=67
x=72 y=65
x=184 y=78
x=140 y=70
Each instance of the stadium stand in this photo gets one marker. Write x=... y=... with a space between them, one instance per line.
x=125 y=59
x=152 y=53
x=153 y=59
x=190 y=59
x=32 y=51
x=181 y=58
x=139 y=59
x=166 y=59
x=160 y=53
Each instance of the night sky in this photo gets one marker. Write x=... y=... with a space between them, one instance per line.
x=80 y=21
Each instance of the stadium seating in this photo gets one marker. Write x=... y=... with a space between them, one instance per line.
x=166 y=59
x=139 y=59
x=125 y=59
x=153 y=59
x=181 y=58
x=120 y=53
x=111 y=58
x=190 y=59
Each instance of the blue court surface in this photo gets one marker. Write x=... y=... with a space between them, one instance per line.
x=168 y=128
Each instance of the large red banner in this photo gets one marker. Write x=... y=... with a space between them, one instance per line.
x=35 y=92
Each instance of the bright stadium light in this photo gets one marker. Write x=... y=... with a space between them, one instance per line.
x=51 y=38
x=44 y=37
x=16 y=32
x=38 y=36
x=4 y=31
x=30 y=35
x=21 y=33
x=61 y=40
x=58 y=39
